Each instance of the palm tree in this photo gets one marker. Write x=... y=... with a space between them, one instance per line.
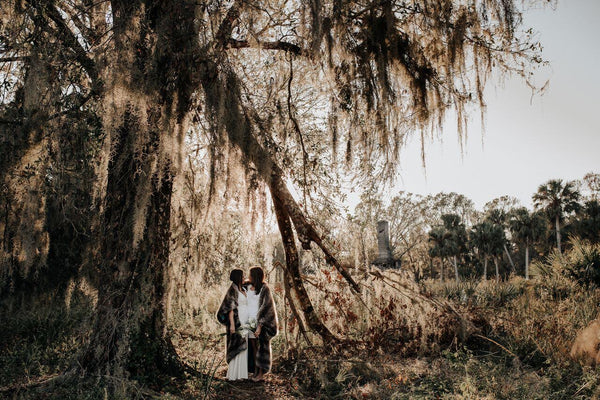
x=489 y=240
x=438 y=237
x=526 y=228
x=456 y=244
x=587 y=223
x=557 y=200
x=498 y=217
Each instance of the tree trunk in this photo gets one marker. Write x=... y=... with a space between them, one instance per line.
x=23 y=165
x=510 y=260
x=485 y=263
x=456 y=269
x=557 y=224
x=497 y=271
x=293 y=267
x=145 y=104
x=527 y=261
x=290 y=300
x=431 y=268
x=130 y=326
x=442 y=277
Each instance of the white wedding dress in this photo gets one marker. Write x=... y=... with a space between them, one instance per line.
x=247 y=310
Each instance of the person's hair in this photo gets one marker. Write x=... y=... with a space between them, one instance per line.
x=236 y=276
x=258 y=276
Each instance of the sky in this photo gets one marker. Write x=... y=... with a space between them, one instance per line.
x=527 y=140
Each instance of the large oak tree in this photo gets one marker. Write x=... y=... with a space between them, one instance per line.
x=152 y=69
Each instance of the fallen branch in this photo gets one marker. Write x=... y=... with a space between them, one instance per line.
x=497 y=344
x=40 y=382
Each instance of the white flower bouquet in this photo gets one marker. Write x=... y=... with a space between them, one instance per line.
x=249 y=326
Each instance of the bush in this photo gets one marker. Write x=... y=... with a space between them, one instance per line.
x=583 y=265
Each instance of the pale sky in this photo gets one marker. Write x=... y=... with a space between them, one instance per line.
x=527 y=141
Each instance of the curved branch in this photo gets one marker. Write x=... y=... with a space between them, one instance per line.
x=239 y=131
x=293 y=277
x=274 y=45
x=297 y=129
x=69 y=39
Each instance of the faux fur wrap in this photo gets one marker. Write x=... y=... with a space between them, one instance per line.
x=235 y=342
x=267 y=318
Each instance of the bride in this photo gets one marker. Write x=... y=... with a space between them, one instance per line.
x=235 y=314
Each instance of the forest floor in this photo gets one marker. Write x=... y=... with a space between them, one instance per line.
x=522 y=354
x=274 y=387
x=474 y=370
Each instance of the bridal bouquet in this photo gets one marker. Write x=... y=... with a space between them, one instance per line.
x=249 y=326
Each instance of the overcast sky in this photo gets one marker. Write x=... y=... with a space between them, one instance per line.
x=527 y=141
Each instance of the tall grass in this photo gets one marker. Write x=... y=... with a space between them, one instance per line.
x=462 y=340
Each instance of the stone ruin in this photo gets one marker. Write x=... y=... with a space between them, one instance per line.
x=385 y=258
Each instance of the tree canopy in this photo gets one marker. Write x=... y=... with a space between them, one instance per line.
x=281 y=93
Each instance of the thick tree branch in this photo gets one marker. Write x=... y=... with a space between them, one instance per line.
x=275 y=45
x=68 y=38
x=293 y=272
x=13 y=59
x=297 y=129
x=226 y=27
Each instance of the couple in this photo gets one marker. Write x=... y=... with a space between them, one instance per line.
x=248 y=312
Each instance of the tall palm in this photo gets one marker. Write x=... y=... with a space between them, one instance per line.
x=526 y=228
x=456 y=244
x=557 y=200
x=438 y=237
x=499 y=217
x=489 y=240
x=587 y=224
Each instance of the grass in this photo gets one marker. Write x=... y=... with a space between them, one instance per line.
x=519 y=350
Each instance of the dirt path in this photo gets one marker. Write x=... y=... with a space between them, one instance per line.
x=275 y=387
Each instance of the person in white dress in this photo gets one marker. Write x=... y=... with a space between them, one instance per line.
x=239 y=313
x=238 y=366
x=253 y=301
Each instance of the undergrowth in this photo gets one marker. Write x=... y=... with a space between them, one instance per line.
x=516 y=348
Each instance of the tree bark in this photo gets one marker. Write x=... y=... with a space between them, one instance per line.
x=485 y=264
x=145 y=104
x=130 y=326
x=23 y=164
x=557 y=224
x=456 y=270
x=497 y=271
x=293 y=267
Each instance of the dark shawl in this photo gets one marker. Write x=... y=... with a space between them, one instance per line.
x=267 y=318
x=235 y=342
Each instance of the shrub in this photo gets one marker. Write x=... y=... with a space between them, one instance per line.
x=583 y=265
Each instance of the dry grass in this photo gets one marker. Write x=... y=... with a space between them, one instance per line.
x=517 y=346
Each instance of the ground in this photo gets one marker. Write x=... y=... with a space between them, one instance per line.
x=274 y=387
x=520 y=353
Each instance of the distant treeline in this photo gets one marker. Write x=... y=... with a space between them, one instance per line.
x=435 y=232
